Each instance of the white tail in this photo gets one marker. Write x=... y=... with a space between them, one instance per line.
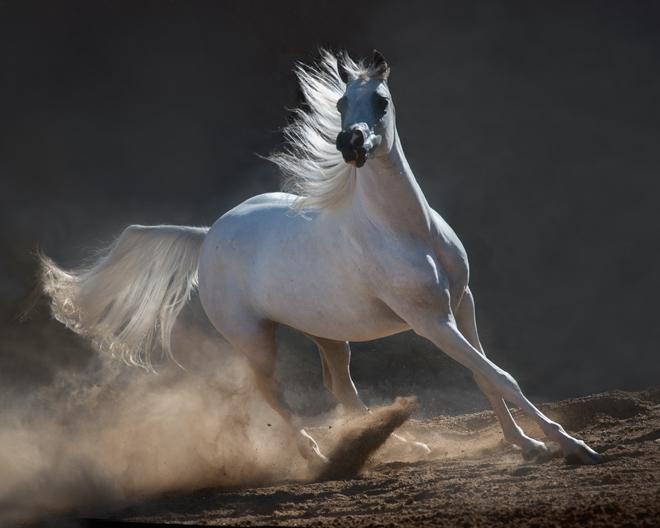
x=126 y=302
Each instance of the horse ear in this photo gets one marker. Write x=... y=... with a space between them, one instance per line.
x=380 y=64
x=343 y=72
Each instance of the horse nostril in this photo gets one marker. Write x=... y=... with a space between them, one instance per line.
x=350 y=139
x=357 y=139
x=343 y=142
x=355 y=144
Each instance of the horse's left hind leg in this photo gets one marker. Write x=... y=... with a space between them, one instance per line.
x=257 y=342
x=335 y=361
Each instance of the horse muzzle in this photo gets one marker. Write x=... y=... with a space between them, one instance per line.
x=357 y=143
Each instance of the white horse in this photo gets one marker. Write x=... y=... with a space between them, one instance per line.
x=355 y=254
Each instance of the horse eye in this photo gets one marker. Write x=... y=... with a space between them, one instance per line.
x=381 y=103
x=341 y=104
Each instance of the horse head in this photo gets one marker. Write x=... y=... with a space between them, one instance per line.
x=367 y=113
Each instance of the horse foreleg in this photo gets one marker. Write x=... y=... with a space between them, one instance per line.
x=442 y=331
x=467 y=325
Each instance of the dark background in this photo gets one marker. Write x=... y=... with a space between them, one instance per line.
x=532 y=127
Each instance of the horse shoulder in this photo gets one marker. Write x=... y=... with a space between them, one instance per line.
x=450 y=253
x=410 y=274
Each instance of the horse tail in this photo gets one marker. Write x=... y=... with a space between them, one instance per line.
x=127 y=300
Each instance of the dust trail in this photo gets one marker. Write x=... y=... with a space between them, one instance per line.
x=359 y=438
x=96 y=441
x=471 y=436
x=100 y=440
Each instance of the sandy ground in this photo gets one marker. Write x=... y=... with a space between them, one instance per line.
x=471 y=478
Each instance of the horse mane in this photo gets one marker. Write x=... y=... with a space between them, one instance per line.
x=314 y=169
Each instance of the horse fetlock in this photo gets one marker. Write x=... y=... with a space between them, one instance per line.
x=580 y=453
x=555 y=431
x=530 y=447
x=421 y=448
x=515 y=435
x=415 y=447
x=534 y=450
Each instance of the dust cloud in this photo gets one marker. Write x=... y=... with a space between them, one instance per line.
x=448 y=438
x=97 y=441
x=91 y=443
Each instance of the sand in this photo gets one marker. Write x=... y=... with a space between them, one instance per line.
x=471 y=478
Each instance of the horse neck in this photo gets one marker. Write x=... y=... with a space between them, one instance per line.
x=388 y=194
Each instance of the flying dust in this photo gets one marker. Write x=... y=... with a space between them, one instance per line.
x=96 y=441
x=91 y=442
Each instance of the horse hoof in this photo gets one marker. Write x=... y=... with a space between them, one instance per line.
x=310 y=450
x=413 y=446
x=583 y=454
x=538 y=452
x=422 y=448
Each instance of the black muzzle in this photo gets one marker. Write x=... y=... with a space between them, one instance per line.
x=356 y=143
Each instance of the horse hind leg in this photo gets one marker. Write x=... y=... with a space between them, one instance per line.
x=335 y=363
x=467 y=325
x=325 y=370
x=258 y=345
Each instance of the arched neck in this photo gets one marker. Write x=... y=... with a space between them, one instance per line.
x=387 y=193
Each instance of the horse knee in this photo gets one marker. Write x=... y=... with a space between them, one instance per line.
x=504 y=384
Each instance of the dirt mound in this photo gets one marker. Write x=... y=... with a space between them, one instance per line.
x=580 y=413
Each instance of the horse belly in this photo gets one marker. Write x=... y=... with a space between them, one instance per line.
x=339 y=315
x=320 y=290
x=322 y=296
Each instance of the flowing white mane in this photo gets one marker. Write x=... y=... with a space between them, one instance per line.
x=313 y=167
